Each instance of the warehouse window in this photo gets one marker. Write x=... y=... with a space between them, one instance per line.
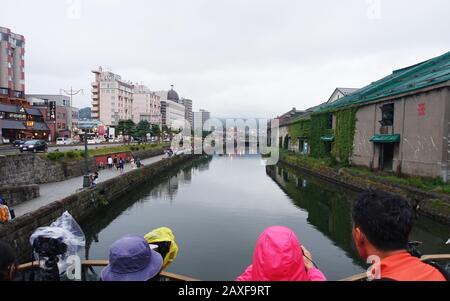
x=387 y=113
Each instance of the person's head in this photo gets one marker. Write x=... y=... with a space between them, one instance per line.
x=382 y=223
x=7 y=262
x=132 y=259
x=278 y=256
x=2 y=201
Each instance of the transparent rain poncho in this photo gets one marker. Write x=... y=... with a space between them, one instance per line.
x=66 y=230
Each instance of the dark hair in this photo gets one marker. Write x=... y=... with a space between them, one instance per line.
x=385 y=219
x=7 y=257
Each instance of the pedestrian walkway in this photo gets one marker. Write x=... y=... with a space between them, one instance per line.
x=52 y=192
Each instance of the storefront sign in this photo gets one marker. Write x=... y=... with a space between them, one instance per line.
x=29 y=124
x=51 y=111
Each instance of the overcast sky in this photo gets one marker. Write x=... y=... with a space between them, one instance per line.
x=246 y=58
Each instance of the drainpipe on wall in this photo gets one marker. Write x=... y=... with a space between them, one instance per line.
x=401 y=152
x=445 y=175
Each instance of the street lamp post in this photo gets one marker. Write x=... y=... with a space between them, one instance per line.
x=71 y=93
x=86 y=181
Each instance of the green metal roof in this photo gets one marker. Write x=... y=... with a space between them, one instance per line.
x=419 y=76
x=395 y=138
x=328 y=138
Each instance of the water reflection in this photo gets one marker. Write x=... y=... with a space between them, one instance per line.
x=217 y=208
x=165 y=188
x=329 y=210
x=328 y=206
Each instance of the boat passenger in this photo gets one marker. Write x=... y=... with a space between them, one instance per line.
x=279 y=256
x=382 y=225
x=7 y=262
x=132 y=259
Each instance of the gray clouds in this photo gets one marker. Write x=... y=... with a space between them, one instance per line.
x=232 y=57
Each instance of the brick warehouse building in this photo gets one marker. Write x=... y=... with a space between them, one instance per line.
x=401 y=123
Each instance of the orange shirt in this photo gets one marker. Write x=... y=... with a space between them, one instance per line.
x=405 y=267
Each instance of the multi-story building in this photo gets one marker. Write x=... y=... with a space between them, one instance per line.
x=146 y=106
x=75 y=119
x=172 y=114
x=12 y=68
x=172 y=110
x=21 y=122
x=201 y=117
x=187 y=103
x=112 y=98
x=66 y=116
x=189 y=115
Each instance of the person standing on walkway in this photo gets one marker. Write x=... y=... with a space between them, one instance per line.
x=115 y=162
x=133 y=163
x=121 y=165
x=110 y=162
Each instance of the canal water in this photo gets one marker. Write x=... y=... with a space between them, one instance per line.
x=218 y=206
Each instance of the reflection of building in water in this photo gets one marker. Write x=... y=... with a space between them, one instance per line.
x=328 y=206
x=187 y=176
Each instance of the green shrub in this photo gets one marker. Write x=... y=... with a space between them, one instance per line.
x=55 y=156
x=72 y=154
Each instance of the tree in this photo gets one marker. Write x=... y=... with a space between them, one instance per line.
x=156 y=130
x=143 y=128
x=127 y=127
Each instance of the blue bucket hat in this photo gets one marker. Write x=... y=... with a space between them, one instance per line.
x=132 y=259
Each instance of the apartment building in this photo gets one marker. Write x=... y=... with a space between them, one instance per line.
x=12 y=68
x=112 y=98
x=146 y=105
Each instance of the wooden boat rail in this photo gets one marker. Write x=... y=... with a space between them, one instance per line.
x=103 y=263
x=175 y=277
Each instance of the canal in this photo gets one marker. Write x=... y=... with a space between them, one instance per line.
x=218 y=206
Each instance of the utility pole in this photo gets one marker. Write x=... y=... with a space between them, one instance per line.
x=72 y=93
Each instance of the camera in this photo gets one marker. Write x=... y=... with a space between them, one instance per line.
x=50 y=249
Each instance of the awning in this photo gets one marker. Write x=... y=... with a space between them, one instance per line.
x=395 y=138
x=11 y=125
x=33 y=112
x=40 y=126
x=19 y=125
x=328 y=138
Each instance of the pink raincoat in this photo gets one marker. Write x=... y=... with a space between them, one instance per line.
x=278 y=257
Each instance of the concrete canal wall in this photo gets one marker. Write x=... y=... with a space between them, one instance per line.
x=15 y=195
x=19 y=174
x=84 y=204
x=26 y=169
x=433 y=205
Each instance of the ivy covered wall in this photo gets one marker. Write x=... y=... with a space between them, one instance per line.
x=299 y=129
x=345 y=133
x=319 y=124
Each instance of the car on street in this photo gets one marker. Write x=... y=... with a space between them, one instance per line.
x=63 y=141
x=94 y=141
x=18 y=143
x=34 y=146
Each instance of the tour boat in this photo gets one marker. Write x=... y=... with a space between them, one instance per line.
x=175 y=277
